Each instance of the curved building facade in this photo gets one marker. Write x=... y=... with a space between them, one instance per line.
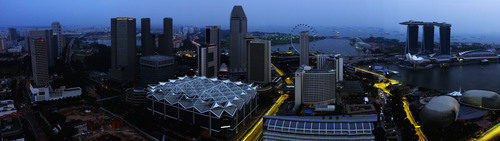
x=441 y=111
x=481 y=99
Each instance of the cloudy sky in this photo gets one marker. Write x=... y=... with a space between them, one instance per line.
x=466 y=16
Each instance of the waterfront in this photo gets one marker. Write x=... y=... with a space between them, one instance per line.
x=466 y=77
x=341 y=46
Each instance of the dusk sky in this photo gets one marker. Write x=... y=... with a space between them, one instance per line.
x=466 y=16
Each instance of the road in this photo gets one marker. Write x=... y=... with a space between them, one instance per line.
x=23 y=106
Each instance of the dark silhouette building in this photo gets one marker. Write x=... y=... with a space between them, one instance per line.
x=444 y=39
x=12 y=34
x=166 y=40
x=428 y=39
x=123 y=49
x=207 y=61
x=59 y=42
x=412 y=40
x=238 y=32
x=147 y=39
x=41 y=46
x=213 y=38
x=259 y=61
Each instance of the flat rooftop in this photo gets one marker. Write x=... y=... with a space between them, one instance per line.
x=411 y=22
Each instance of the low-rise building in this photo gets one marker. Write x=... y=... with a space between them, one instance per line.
x=48 y=94
x=340 y=127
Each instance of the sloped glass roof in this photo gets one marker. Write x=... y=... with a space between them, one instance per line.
x=204 y=94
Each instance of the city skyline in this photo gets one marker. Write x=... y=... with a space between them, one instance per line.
x=320 y=13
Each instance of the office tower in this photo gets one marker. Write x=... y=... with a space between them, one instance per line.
x=40 y=44
x=316 y=87
x=212 y=37
x=57 y=31
x=166 y=40
x=123 y=49
x=12 y=34
x=304 y=48
x=2 y=44
x=155 y=68
x=259 y=61
x=322 y=61
x=428 y=39
x=412 y=39
x=238 y=32
x=207 y=61
x=147 y=39
x=339 y=68
x=444 y=39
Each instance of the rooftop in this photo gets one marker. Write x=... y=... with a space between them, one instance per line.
x=204 y=94
x=157 y=58
x=411 y=22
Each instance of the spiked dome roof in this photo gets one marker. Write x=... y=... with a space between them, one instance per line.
x=204 y=94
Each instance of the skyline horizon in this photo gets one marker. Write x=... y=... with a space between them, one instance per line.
x=358 y=13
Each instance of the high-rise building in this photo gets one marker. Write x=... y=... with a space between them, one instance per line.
x=123 y=49
x=207 y=61
x=2 y=44
x=155 y=68
x=444 y=39
x=57 y=32
x=212 y=38
x=40 y=44
x=329 y=62
x=166 y=40
x=412 y=39
x=322 y=61
x=339 y=68
x=147 y=40
x=12 y=34
x=315 y=87
x=238 y=32
x=304 y=48
x=428 y=39
x=259 y=61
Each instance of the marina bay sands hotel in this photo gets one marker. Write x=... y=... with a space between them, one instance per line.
x=427 y=47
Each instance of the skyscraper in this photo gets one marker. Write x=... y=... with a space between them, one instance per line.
x=304 y=48
x=339 y=68
x=412 y=39
x=238 y=32
x=2 y=44
x=207 y=61
x=166 y=40
x=123 y=49
x=444 y=39
x=314 y=86
x=212 y=38
x=147 y=40
x=12 y=34
x=259 y=61
x=40 y=44
x=428 y=39
x=57 y=31
x=323 y=61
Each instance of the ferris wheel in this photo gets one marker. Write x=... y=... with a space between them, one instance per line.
x=295 y=36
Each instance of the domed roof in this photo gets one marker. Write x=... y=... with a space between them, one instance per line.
x=481 y=99
x=441 y=111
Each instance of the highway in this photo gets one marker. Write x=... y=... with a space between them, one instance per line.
x=256 y=131
x=490 y=134
x=406 y=106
